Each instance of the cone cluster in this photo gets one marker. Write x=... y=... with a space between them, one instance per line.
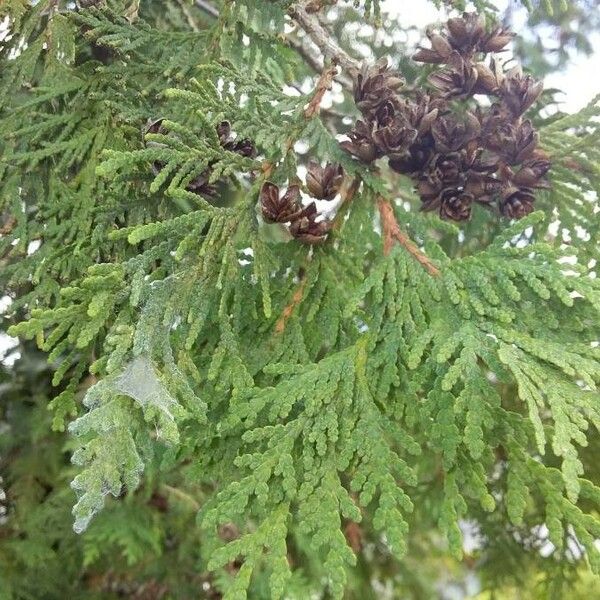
x=201 y=184
x=456 y=151
x=322 y=183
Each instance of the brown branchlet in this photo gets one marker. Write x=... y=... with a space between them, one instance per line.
x=456 y=155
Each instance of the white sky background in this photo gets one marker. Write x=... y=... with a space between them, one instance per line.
x=581 y=80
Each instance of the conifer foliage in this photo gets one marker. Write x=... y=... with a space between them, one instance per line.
x=273 y=366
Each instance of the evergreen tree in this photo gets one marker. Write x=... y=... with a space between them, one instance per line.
x=295 y=350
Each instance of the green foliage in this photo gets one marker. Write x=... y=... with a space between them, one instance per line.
x=283 y=396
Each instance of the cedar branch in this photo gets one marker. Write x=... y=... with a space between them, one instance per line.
x=314 y=61
x=348 y=192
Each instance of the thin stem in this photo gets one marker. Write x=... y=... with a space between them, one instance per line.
x=182 y=496
x=289 y=309
x=315 y=62
x=322 y=39
x=8 y=226
x=208 y=8
x=391 y=232
x=348 y=192
x=323 y=84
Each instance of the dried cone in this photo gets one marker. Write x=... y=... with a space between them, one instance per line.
x=489 y=79
x=422 y=113
x=496 y=40
x=516 y=202
x=446 y=169
x=324 y=182
x=415 y=159
x=286 y=208
x=375 y=85
x=244 y=147
x=307 y=230
x=458 y=80
x=519 y=91
x=451 y=133
x=278 y=208
x=452 y=202
x=455 y=204
x=200 y=184
x=361 y=144
x=455 y=157
x=154 y=126
x=514 y=143
x=467 y=34
x=532 y=172
x=395 y=138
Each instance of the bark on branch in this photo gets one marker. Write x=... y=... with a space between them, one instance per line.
x=322 y=39
x=208 y=8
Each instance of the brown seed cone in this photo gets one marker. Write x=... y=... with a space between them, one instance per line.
x=519 y=91
x=324 y=182
x=200 y=185
x=451 y=133
x=452 y=203
x=361 y=144
x=466 y=33
x=394 y=139
x=154 y=126
x=483 y=188
x=244 y=147
x=489 y=79
x=496 y=40
x=455 y=205
x=446 y=169
x=422 y=112
x=308 y=231
x=517 y=203
x=385 y=113
x=532 y=172
x=458 y=80
x=428 y=55
x=514 y=143
x=224 y=132
x=415 y=159
x=278 y=208
x=375 y=85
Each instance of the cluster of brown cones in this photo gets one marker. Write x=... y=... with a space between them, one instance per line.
x=322 y=183
x=201 y=184
x=456 y=151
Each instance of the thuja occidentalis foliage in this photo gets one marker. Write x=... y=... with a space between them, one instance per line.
x=302 y=323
